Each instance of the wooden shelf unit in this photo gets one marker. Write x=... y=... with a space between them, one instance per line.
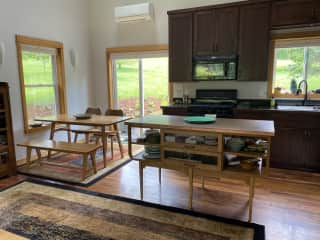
x=7 y=152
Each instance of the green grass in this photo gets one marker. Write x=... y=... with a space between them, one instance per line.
x=37 y=70
x=155 y=71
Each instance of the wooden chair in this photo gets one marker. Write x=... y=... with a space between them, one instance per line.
x=113 y=132
x=85 y=130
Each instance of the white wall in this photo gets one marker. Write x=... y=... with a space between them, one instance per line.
x=105 y=33
x=61 y=20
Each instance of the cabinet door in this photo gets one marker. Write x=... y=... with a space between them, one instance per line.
x=288 y=149
x=227 y=31
x=180 y=47
x=254 y=42
x=317 y=11
x=203 y=32
x=313 y=150
x=293 y=12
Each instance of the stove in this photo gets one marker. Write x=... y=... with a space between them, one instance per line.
x=214 y=101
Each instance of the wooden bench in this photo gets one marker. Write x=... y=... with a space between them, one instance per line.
x=66 y=147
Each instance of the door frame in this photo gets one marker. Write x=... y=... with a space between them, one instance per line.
x=130 y=49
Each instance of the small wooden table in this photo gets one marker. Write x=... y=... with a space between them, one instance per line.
x=175 y=125
x=99 y=121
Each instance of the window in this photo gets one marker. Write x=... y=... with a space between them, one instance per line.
x=138 y=79
x=140 y=84
x=42 y=79
x=296 y=60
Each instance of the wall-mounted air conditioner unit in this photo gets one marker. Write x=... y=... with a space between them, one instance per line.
x=133 y=13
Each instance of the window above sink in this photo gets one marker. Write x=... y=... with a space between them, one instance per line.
x=293 y=59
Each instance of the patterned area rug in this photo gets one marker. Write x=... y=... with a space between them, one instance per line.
x=73 y=175
x=45 y=211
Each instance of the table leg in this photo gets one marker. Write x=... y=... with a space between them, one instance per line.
x=39 y=155
x=190 y=186
x=251 y=196
x=104 y=145
x=129 y=142
x=84 y=166
x=159 y=173
x=52 y=130
x=141 y=179
x=93 y=161
x=29 y=151
x=119 y=140
x=69 y=133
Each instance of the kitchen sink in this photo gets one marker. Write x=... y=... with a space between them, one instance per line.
x=299 y=108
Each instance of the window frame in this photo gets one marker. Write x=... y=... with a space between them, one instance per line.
x=61 y=86
x=287 y=37
x=128 y=50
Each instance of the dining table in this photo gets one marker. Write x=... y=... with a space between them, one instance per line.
x=101 y=122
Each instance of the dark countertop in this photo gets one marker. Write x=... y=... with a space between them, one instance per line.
x=250 y=108
x=177 y=106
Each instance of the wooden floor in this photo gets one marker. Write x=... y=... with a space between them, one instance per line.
x=288 y=204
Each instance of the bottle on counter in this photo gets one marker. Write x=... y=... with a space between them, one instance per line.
x=273 y=102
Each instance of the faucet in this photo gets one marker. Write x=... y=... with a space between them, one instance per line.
x=299 y=91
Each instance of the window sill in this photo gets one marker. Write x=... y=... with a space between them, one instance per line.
x=37 y=129
x=293 y=96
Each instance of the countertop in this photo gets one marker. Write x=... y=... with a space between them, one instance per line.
x=250 y=108
x=261 y=128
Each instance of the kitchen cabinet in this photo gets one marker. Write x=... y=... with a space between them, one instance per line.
x=288 y=148
x=294 y=12
x=203 y=34
x=180 y=47
x=313 y=149
x=254 y=42
x=296 y=141
x=216 y=31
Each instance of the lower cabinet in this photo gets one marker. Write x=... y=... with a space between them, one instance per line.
x=296 y=142
x=288 y=149
x=313 y=149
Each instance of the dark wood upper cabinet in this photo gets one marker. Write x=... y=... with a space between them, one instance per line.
x=216 y=31
x=254 y=42
x=227 y=31
x=180 y=47
x=293 y=12
x=203 y=33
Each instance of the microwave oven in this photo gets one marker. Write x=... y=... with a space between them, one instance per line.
x=214 y=68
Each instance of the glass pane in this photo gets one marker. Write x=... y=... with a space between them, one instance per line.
x=201 y=71
x=127 y=75
x=41 y=101
x=37 y=68
x=313 y=76
x=288 y=66
x=156 y=83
